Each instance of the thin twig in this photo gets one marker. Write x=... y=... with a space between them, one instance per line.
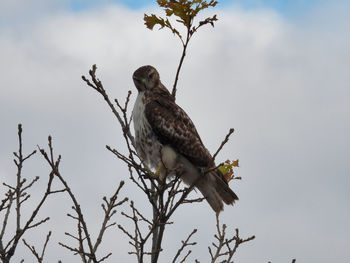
x=224 y=246
x=32 y=249
x=109 y=212
x=188 y=37
x=223 y=143
x=184 y=245
x=97 y=85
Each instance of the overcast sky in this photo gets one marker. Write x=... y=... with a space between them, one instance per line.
x=276 y=71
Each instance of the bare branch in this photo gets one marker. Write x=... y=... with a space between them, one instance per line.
x=185 y=44
x=39 y=223
x=223 y=143
x=32 y=249
x=185 y=244
x=8 y=208
x=225 y=247
x=109 y=212
x=97 y=85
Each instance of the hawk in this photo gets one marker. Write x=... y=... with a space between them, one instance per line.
x=166 y=138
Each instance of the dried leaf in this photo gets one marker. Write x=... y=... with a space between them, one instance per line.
x=152 y=20
x=235 y=163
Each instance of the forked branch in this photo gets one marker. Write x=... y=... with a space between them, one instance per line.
x=32 y=249
x=224 y=248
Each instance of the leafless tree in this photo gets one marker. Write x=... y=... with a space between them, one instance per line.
x=164 y=195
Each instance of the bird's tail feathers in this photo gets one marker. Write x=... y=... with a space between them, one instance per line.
x=223 y=189
x=215 y=189
x=211 y=195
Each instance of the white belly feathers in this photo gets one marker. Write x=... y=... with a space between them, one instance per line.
x=147 y=144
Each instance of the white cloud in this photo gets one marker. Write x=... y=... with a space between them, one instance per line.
x=283 y=85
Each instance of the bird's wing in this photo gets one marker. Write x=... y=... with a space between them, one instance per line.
x=173 y=127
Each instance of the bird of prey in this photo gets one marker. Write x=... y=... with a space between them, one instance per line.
x=165 y=137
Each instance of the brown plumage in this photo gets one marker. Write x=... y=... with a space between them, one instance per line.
x=164 y=134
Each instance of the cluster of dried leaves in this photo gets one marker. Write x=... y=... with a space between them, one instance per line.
x=185 y=12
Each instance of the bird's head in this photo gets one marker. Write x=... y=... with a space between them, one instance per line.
x=146 y=78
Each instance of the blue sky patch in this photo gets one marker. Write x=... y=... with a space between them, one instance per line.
x=285 y=7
